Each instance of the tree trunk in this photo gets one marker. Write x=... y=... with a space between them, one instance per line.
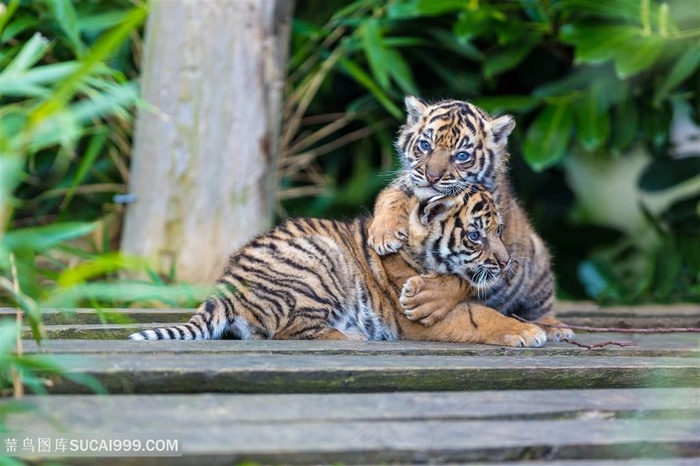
x=202 y=169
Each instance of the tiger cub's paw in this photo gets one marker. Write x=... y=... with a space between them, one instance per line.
x=529 y=335
x=422 y=302
x=556 y=333
x=387 y=235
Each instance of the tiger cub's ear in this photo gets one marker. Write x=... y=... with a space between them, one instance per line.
x=415 y=109
x=501 y=128
x=435 y=209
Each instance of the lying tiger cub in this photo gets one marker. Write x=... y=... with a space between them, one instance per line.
x=448 y=148
x=317 y=279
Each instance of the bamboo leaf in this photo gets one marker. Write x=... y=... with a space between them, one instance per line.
x=45 y=237
x=103 y=48
x=359 y=75
x=64 y=13
x=29 y=54
x=400 y=72
x=93 y=150
x=372 y=43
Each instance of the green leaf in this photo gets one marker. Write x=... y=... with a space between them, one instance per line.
x=685 y=66
x=66 y=17
x=126 y=292
x=60 y=128
x=359 y=75
x=400 y=72
x=29 y=54
x=625 y=125
x=409 y=9
x=11 y=166
x=17 y=27
x=596 y=43
x=506 y=103
x=471 y=24
x=509 y=56
x=663 y=174
x=372 y=42
x=112 y=101
x=580 y=78
x=592 y=120
x=655 y=124
x=548 y=136
x=45 y=237
x=8 y=336
x=92 y=151
x=683 y=216
x=609 y=9
x=103 y=48
x=27 y=278
x=100 y=265
x=636 y=56
x=462 y=48
x=100 y=22
x=537 y=11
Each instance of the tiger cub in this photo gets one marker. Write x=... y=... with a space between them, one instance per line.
x=317 y=279
x=447 y=148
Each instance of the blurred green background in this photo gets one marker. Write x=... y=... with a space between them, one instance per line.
x=605 y=156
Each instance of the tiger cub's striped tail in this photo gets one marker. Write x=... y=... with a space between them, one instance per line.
x=204 y=325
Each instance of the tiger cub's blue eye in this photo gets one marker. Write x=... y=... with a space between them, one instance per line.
x=499 y=230
x=462 y=156
x=473 y=236
x=424 y=146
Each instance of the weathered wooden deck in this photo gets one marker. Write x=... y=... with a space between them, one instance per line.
x=382 y=402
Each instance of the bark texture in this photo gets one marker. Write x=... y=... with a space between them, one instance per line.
x=205 y=153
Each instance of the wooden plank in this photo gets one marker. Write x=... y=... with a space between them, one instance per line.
x=578 y=313
x=91 y=316
x=285 y=373
x=398 y=427
x=370 y=428
x=585 y=309
x=377 y=441
x=122 y=331
x=118 y=412
x=676 y=345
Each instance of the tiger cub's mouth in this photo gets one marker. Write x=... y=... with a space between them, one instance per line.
x=484 y=277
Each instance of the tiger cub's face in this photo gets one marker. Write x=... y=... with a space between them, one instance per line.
x=461 y=235
x=450 y=145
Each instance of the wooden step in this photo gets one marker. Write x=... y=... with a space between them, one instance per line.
x=555 y=425
x=251 y=367
x=665 y=345
x=88 y=323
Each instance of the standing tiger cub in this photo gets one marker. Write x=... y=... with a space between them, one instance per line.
x=448 y=148
x=317 y=279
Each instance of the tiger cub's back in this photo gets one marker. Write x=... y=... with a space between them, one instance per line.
x=305 y=279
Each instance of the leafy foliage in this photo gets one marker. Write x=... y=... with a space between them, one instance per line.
x=66 y=99
x=587 y=80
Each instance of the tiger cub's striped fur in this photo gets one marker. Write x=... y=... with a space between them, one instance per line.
x=450 y=147
x=317 y=279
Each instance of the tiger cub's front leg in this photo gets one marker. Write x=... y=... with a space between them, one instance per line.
x=472 y=322
x=388 y=230
x=428 y=298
